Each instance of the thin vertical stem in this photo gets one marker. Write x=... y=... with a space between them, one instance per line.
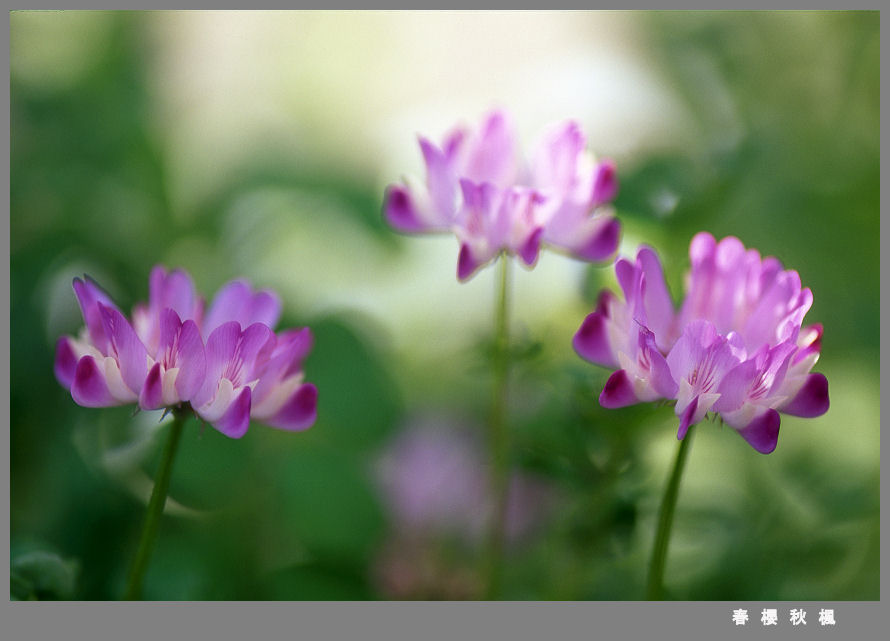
x=655 y=584
x=155 y=508
x=498 y=437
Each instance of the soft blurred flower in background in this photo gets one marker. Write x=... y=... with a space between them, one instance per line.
x=434 y=478
x=481 y=187
x=435 y=484
x=259 y=144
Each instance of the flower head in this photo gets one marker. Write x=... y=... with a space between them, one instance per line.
x=228 y=363
x=435 y=482
x=479 y=187
x=735 y=347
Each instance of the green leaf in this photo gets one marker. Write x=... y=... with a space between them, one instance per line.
x=42 y=575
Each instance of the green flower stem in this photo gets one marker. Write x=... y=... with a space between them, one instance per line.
x=155 y=507
x=497 y=436
x=655 y=584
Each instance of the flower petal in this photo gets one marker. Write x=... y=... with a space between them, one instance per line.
x=480 y=202
x=701 y=277
x=125 y=346
x=656 y=298
x=810 y=342
x=556 y=159
x=762 y=433
x=531 y=247
x=231 y=355
x=65 y=364
x=618 y=391
x=601 y=241
x=811 y=400
x=181 y=347
x=89 y=387
x=297 y=343
x=690 y=349
x=228 y=305
x=440 y=181
x=152 y=395
x=687 y=418
x=491 y=152
x=191 y=361
x=703 y=357
x=628 y=279
x=219 y=350
x=170 y=325
x=89 y=295
x=285 y=361
x=174 y=290
x=660 y=377
x=605 y=183
x=779 y=310
x=400 y=210
x=236 y=419
x=237 y=302
x=735 y=386
x=468 y=263
x=299 y=411
x=702 y=248
x=255 y=338
x=591 y=341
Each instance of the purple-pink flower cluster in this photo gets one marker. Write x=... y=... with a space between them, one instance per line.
x=435 y=480
x=736 y=347
x=479 y=186
x=225 y=361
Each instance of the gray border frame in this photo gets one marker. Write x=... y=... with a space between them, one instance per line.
x=398 y=620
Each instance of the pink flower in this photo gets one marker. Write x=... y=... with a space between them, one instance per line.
x=435 y=482
x=479 y=187
x=736 y=347
x=228 y=363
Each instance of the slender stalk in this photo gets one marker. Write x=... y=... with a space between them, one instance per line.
x=655 y=584
x=497 y=436
x=155 y=508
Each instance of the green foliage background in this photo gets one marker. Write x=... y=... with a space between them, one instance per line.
x=278 y=516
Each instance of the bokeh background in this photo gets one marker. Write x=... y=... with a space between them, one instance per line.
x=259 y=144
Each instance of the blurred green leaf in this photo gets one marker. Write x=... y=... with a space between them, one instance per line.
x=317 y=582
x=358 y=404
x=42 y=575
x=327 y=503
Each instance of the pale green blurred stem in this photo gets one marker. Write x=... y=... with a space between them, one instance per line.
x=655 y=584
x=498 y=437
x=155 y=507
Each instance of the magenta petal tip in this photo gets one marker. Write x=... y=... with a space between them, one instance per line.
x=152 y=395
x=300 y=410
x=686 y=419
x=530 y=249
x=89 y=388
x=618 y=391
x=605 y=184
x=603 y=243
x=591 y=341
x=65 y=363
x=812 y=399
x=466 y=264
x=236 y=419
x=399 y=210
x=763 y=432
